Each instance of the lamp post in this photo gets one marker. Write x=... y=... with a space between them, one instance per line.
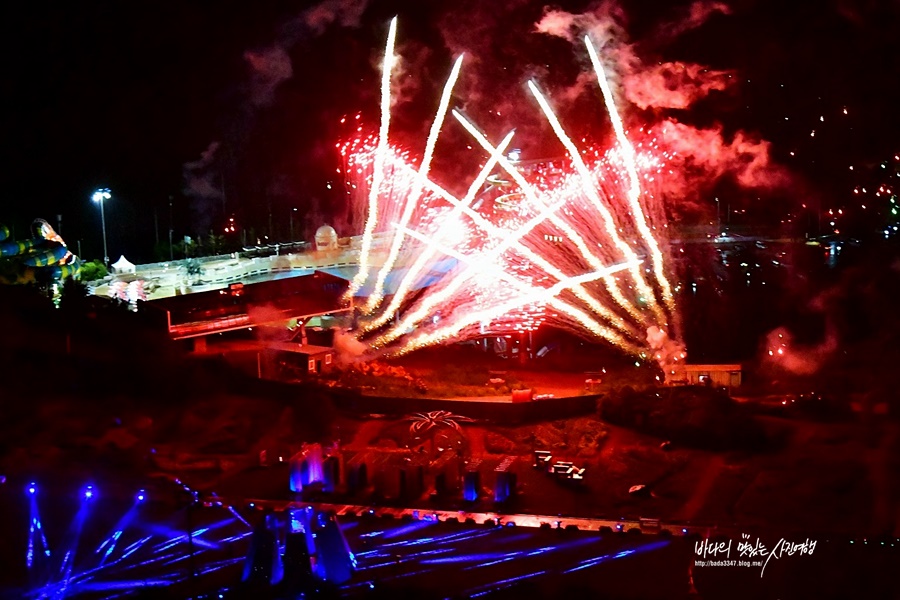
x=718 y=219
x=291 y=221
x=99 y=197
x=171 y=229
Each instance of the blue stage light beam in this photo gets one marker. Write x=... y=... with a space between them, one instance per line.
x=499 y=585
x=238 y=516
x=37 y=541
x=406 y=529
x=68 y=561
x=119 y=529
x=471 y=558
x=591 y=562
x=135 y=546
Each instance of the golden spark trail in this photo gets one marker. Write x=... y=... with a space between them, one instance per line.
x=410 y=205
x=429 y=251
x=609 y=281
x=532 y=295
x=378 y=173
x=634 y=193
x=591 y=192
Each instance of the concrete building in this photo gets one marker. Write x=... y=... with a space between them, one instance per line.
x=317 y=359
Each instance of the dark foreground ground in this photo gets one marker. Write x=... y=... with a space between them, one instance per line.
x=154 y=558
x=82 y=405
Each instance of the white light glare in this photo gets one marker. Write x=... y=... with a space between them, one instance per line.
x=101 y=195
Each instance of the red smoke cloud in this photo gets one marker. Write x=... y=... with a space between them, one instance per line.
x=672 y=85
x=706 y=154
x=696 y=15
x=800 y=360
x=606 y=24
x=661 y=85
x=701 y=155
x=269 y=68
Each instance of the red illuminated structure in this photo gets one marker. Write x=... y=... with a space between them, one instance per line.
x=242 y=306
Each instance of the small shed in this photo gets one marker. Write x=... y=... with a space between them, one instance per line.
x=318 y=359
x=727 y=376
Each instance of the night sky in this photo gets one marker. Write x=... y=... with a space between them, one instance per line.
x=130 y=95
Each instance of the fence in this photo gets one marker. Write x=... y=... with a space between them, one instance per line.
x=495 y=412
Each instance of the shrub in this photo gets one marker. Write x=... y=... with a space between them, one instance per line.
x=93 y=270
x=692 y=415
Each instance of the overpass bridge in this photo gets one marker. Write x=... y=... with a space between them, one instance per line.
x=237 y=292
x=241 y=306
x=171 y=279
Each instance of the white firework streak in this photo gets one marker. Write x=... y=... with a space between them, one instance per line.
x=378 y=292
x=634 y=192
x=573 y=235
x=447 y=292
x=378 y=174
x=428 y=253
x=591 y=192
x=532 y=295
x=511 y=240
x=586 y=187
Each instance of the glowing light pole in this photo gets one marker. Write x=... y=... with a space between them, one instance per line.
x=99 y=196
x=718 y=218
x=291 y=219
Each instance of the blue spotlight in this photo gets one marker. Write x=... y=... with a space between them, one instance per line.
x=32 y=488
x=141 y=495
x=684 y=530
x=89 y=492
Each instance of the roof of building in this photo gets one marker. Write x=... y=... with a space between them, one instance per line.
x=299 y=348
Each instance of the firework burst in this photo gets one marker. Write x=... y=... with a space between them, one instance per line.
x=571 y=242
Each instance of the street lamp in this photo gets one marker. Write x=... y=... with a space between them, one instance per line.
x=291 y=220
x=718 y=219
x=99 y=196
x=171 y=231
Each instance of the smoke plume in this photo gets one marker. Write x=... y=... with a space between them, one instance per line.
x=605 y=24
x=701 y=156
x=349 y=349
x=673 y=85
x=798 y=359
x=666 y=351
x=696 y=15
x=268 y=67
x=706 y=155
x=663 y=85
x=202 y=186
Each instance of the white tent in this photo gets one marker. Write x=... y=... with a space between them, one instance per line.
x=122 y=265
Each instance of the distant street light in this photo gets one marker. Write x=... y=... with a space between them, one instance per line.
x=718 y=219
x=171 y=230
x=99 y=197
x=291 y=220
